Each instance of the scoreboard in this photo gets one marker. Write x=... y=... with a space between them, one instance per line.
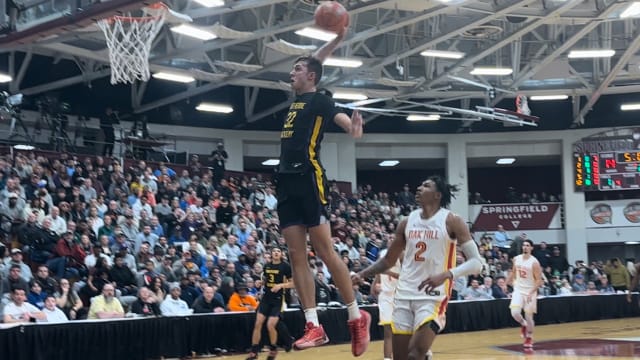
x=602 y=171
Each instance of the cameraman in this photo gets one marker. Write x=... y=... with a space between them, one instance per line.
x=107 y=120
x=218 y=158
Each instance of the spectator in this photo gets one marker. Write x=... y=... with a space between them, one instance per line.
x=475 y=292
x=207 y=302
x=173 y=305
x=500 y=290
x=20 y=311
x=618 y=274
x=578 y=285
x=69 y=301
x=106 y=306
x=241 y=300
x=16 y=259
x=36 y=296
x=146 y=304
x=53 y=315
x=501 y=238
x=605 y=287
x=543 y=255
x=559 y=264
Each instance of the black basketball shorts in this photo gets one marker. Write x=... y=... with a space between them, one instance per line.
x=302 y=199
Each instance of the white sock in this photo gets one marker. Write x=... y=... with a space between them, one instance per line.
x=387 y=359
x=311 y=314
x=354 y=311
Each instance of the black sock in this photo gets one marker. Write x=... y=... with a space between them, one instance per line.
x=273 y=347
x=255 y=348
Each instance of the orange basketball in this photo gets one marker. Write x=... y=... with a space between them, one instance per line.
x=331 y=16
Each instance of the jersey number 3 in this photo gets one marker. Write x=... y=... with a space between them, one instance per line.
x=422 y=247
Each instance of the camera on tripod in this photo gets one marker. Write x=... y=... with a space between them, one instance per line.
x=9 y=105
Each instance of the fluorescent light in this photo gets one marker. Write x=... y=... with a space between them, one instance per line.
x=431 y=117
x=316 y=33
x=349 y=63
x=632 y=10
x=173 y=77
x=193 y=31
x=505 y=161
x=581 y=54
x=443 y=54
x=217 y=108
x=630 y=107
x=4 y=78
x=491 y=71
x=24 y=147
x=271 y=162
x=548 y=97
x=210 y=3
x=350 y=96
x=632 y=242
x=388 y=163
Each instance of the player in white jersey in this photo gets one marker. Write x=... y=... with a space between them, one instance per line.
x=388 y=282
x=428 y=238
x=527 y=278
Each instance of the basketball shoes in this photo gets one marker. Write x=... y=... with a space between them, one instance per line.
x=359 y=330
x=313 y=336
x=528 y=343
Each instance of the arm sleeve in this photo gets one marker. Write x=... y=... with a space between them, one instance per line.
x=473 y=265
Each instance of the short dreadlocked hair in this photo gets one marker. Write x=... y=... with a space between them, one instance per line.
x=447 y=190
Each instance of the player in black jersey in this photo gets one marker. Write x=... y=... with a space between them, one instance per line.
x=302 y=196
x=276 y=278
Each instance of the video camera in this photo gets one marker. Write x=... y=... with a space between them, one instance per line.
x=9 y=105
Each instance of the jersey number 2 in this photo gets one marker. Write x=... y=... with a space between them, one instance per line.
x=422 y=247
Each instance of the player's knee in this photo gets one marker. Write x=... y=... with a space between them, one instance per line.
x=516 y=312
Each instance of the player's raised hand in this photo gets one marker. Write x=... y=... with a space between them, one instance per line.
x=356 y=125
x=355 y=278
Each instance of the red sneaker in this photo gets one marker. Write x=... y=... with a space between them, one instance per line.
x=359 y=330
x=528 y=343
x=313 y=336
x=523 y=331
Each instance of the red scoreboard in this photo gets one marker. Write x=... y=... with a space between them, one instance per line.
x=614 y=170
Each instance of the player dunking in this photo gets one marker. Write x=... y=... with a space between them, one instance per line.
x=527 y=278
x=276 y=278
x=428 y=238
x=302 y=196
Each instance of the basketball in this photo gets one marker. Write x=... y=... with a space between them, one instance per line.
x=331 y=16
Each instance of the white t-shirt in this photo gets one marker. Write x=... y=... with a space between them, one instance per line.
x=17 y=312
x=54 y=316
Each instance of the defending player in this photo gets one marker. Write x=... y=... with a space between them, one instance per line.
x=302 y=196
x=527 y=278
x=276 y=278
x=428 y=238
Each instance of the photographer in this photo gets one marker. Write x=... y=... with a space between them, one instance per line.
x=218 y=159
x=107 y=121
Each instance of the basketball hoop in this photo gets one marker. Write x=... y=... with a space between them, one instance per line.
x=129 y=40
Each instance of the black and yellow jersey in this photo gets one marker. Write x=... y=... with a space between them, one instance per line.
x=275 y=274
x=302 y=132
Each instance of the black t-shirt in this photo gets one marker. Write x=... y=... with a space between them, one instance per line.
x=146 y=309
x=201 y=306
x=303 y=130
x=275 y=274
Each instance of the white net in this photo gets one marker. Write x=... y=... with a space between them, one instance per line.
x=129 y=41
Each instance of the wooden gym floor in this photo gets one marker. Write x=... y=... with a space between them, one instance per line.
x=606 y=339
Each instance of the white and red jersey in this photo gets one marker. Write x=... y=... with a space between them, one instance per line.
x=524 y=280
x=388 y=283
x=429 y=251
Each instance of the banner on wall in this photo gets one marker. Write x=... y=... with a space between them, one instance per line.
x=612 y=213
x=540 y=216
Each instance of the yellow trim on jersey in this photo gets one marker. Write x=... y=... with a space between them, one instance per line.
x=400 y=332
x=382 y=323
x=314 y=161
x=450 y=259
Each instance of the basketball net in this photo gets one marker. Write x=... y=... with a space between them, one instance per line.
x=522 y=105
x=129 y=41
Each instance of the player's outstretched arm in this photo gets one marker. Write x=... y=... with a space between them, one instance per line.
x=351 y=125
x=327 y=49
x=460 y=231
x=390 y=258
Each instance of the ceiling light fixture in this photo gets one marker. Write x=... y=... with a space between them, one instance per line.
x=350 y=96
x=173 y=77
x=431 y=117
x=210 y=3
x=442 y=54
x=505 y=161
x=342 y=62
x=632 y=242
x=194 y=32
x=630 y=107
x=389 y=163
x=497 y=71
x=4 y=78
x=590 y=54
x=271 y=162
x=217 y=108
x=548 y=97
x=316 y=33
x=632 y=10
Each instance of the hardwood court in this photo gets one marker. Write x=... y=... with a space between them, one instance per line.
x=606 y=339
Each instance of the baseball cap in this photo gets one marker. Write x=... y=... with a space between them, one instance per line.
x=174 y=285
x=16 y=251
x=579 y=276
x=222 y=257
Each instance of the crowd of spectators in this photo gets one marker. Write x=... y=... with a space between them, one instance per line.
x=95 y=239
x=513 y=196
